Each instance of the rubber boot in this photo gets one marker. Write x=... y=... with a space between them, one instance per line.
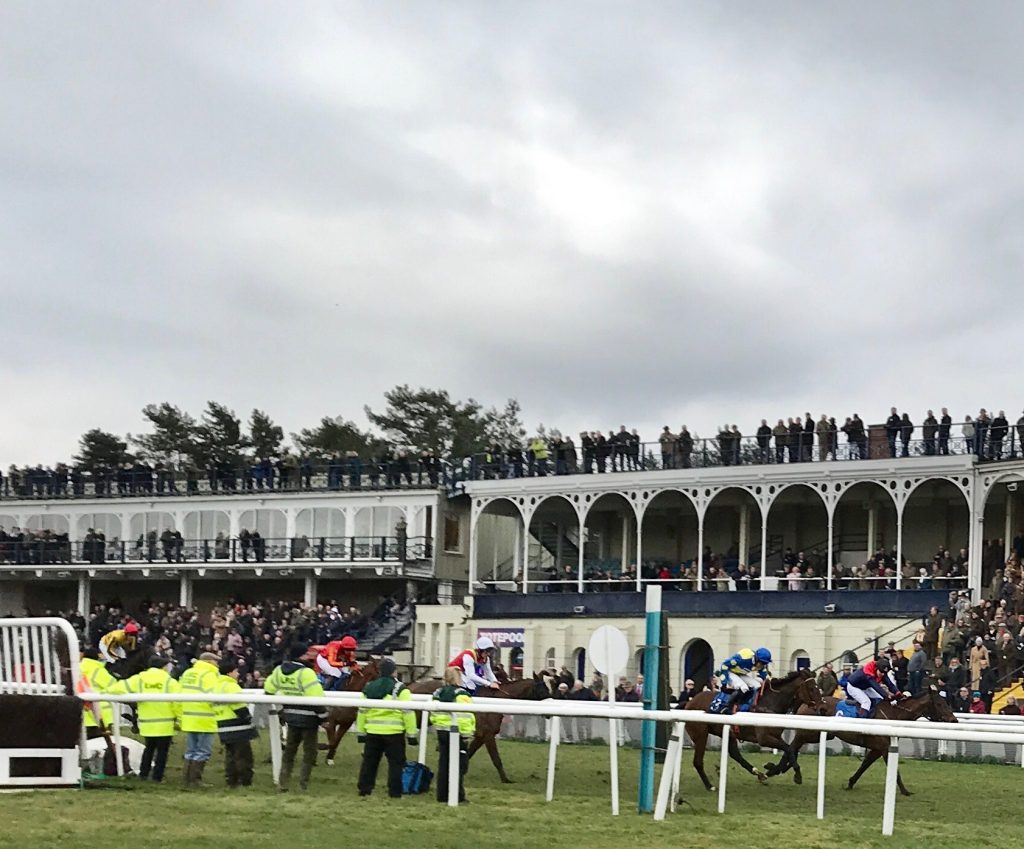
x=197 y=774
x=186 y=774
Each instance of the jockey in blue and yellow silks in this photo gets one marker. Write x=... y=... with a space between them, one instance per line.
x=745 y=672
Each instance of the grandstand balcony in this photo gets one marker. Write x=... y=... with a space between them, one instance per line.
x=312 y=545
x=580 y=534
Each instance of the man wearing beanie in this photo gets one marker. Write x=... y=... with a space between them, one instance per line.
x=384 y=731
x=198 y=719
x=293 y=678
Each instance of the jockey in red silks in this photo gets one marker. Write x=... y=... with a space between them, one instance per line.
x=865 y=687
x=475 y=664
x=337 y=661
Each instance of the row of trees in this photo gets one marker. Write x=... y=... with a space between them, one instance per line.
x=413 y=419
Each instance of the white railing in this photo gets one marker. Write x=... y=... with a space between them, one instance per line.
x=29 y=661
x=557 y=709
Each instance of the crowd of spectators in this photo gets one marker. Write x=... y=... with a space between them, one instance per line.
x=797 y=439
x=259 y=635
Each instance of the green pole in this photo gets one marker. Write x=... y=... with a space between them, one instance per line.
x=645 y=796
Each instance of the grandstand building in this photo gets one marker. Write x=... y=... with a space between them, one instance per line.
x=542 y=561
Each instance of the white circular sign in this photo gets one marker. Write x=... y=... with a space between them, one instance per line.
x=608 y=650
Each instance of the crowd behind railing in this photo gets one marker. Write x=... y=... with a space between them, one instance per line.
x=21 y=547
x=260 y=635
x=800 y=439
x=795 y=571
x=797 y=440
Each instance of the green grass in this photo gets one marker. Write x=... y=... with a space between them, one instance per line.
x=954 y=805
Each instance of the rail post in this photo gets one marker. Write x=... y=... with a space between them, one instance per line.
x=666 y=787
x=892 y=767
x=556 y=733
x=822 y=753
x=424 y=734
x=453 y=766
x=648 y=732
x=723 y=768
x=275 y=745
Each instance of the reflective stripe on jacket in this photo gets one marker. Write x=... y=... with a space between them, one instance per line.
x=199 y=717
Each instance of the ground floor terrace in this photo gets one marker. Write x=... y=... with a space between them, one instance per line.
x=745 y=529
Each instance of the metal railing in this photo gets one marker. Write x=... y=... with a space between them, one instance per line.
x=175 y=551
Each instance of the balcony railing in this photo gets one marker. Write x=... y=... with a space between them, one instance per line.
x=335 y=550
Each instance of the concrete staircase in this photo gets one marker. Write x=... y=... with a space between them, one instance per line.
x=1016 y=689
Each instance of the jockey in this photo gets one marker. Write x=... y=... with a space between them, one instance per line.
x=337 y=661
x=475 y=664
x=115 y=645
x=745 y=672
x=865 y=687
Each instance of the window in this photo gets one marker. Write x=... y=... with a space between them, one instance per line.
x=452 y=534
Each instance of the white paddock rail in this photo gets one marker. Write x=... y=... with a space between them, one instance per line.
x=821 y=725
x=30 y=664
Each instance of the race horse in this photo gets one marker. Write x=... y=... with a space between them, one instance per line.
x=929 y=705
x=488 y=725
x=134 y=662
x=340 y=719
x=777 y=695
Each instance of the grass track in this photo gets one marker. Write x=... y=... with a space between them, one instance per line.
x=954 y=805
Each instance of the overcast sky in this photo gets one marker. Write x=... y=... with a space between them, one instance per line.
x=643 y=213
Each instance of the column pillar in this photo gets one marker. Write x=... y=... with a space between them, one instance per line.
x=625 y=542
x=234 y=523
x=640 y=553
x=1008 y=532
x=744 y=541
x=831 y=556
x=976 y=518
x=559 y=549
x=474 y=524
x=290 y=524
x=872 y=528
x=309 y=591
x=494 y=550
x=764 y=548
x=84 y=594
x=526 y=555
x=517 y=551
x=185 y=590
x=899 y=545
x=700 y=550
x=579 y=544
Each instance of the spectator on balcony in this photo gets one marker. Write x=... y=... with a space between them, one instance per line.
x=997 y=432
x=824 y=437
x=796 y=435
x=764 y=441
x=684 y=444
x=794 y=580
x=601 y=451
x=619 y=443
x=893 y=426
x=259 y=546
x=929 y=428
x=245 y=543
x=807 y=440
x=906 y=433
x=539 y=452
x=725 y=451
x=1019 y=448
x=781 y=434
x=634 y=449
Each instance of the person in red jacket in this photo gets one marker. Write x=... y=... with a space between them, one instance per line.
x=336 y=662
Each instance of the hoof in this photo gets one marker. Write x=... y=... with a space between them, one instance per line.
x=760 y=776
x=506 y=780
x=798 y=779
x=848 y=787
x=330 y=762
x=906 y=793
x=771 y=769
x=711 y=788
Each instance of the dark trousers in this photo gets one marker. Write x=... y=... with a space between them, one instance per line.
x=154 y=758
x=238 y=763
x=307 y=737
x=443 y=746
x=391 y=746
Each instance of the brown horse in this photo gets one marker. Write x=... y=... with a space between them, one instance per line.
x=929 y=705
x=340 y=719
x=778 y=695
x=488 y=725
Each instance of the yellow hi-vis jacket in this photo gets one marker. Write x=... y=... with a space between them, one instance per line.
x=199 y=717
x=385 y=720
x=95 y=678
x=156 y=719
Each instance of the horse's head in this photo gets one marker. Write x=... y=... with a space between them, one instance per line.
x=808 y=695
x=937 y=709
x=541 y=687
x=136 y=661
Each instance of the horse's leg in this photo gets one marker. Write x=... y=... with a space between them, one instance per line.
x=491 y=742
x=699 y=736
x=788 y=759
x=340 y=729
x=901 y=785
x=870 y=756
x=737 y=755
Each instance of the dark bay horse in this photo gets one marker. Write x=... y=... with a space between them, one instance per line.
x=929 y=705
x=134 y=662
x=488 y=725
x=340 y=719
x=778 y=695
